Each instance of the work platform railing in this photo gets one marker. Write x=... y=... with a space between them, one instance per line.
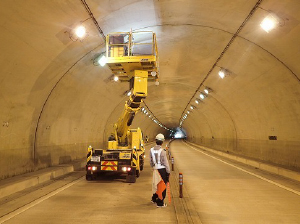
x=129 y=51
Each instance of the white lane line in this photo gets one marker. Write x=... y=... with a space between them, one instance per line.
x=36 y=202
x=253 y=174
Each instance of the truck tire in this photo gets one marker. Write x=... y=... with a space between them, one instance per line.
x=131 y=177
x=88 y=177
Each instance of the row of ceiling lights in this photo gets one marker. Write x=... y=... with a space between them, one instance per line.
x=202 y=96
x=153 y=118
x=269 y=23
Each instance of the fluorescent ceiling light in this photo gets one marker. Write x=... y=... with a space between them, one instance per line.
x=222 y=73
x=270 y=22
x=80 y=31
x=102 y=60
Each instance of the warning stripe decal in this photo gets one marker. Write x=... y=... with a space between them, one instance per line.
x=109 y=163
x=134 y=157
x=89 y=154
x=109 y=168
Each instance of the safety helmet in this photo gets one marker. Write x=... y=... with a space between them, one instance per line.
x=160 y=137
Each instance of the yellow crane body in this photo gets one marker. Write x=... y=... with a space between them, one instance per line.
x=133 y=58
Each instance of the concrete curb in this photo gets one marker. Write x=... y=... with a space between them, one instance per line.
x=18 y=183
x=263 y=166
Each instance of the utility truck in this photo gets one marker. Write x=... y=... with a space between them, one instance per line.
x=133 y=58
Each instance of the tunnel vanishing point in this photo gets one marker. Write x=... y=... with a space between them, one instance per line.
x=229 y=82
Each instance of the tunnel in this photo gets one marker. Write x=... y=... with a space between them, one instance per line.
x=229 y=85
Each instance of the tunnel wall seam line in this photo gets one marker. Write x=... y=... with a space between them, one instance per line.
x=235 y=35
x=89 y=11
x=48 y=97
x=225 y=31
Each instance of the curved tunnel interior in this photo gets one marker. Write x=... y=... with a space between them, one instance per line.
x=55 y=101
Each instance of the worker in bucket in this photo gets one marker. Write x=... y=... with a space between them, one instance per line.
x=161 y=171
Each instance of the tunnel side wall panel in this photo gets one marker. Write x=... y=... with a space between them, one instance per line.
x=281 y=153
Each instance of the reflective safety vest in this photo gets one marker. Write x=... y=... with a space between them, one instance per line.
x=156 y=158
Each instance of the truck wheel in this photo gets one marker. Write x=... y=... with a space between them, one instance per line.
x=131 y=177
x=141 y=167
x=137 y=173
x=88 y=177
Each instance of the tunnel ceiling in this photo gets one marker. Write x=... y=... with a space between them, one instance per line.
x=49 y=82
x=196 y=38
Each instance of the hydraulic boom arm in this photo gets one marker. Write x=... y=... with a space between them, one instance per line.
x=132 y=106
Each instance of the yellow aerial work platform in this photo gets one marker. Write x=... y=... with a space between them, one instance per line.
x=130 y=51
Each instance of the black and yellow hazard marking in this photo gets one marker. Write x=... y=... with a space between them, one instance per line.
x=89 y=154
x=134 y=157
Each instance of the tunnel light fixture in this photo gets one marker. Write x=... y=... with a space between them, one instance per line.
x=142 y=109
x=271 y=22
x=202 y=96
x=156 y=82
x=192 y=107
x=188 y=112
x=102 y=60
x=207 y=90
x=197 y=101
x=80 y=31
x=222 y=73
x=116 y=78
x=127 y=93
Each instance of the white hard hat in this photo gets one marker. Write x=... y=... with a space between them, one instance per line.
x=160 y=137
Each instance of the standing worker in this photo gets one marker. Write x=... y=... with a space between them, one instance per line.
x=161 y=171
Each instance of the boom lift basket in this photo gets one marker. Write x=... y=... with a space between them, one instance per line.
x=129 y=51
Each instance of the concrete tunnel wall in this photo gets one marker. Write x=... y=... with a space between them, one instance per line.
x=55 y=102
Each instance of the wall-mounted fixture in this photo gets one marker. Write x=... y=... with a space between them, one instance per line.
x=100 y=59
x=5 y=124
x=223 y=73
x=78 y=31
x=127 y=93
x=116 y=78
x=207 y=90
x=202 y=96
x=271 y=21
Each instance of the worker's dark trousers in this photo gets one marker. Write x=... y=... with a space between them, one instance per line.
x=163 y=174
